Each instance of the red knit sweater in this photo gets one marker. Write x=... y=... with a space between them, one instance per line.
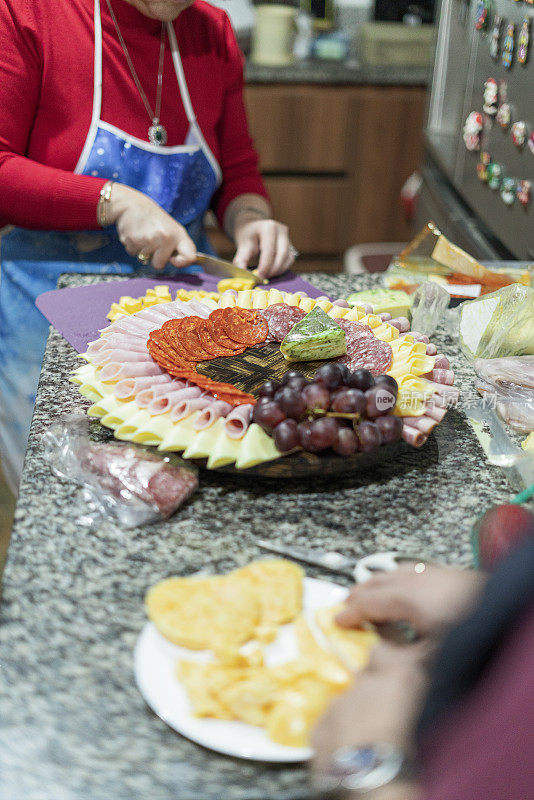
x=46 y=95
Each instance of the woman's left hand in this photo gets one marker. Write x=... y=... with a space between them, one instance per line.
x=265 y=240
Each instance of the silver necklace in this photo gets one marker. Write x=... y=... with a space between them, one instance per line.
x=156 y=132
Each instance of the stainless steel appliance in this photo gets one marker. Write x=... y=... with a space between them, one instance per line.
x=463 y=206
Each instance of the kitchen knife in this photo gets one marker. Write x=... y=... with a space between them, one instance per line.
x=332 y=561
x=225 y=269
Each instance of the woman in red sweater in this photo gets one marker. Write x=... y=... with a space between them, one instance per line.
x=122 y=122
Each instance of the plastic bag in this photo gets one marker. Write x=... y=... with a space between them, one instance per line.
x=499 y=324
x=509 y=382
x=119 y=481
x=430 y=302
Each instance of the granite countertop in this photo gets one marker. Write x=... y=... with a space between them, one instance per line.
x=73 y=725
x=350 y=71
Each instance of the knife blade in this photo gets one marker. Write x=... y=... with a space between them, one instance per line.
x=225 y=269
x=332 y=561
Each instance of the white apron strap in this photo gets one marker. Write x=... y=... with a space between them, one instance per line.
x=97 y=93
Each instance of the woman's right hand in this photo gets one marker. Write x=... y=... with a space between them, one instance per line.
x=143 y=227
x=431 y=600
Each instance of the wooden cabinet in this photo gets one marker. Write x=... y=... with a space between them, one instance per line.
x=334 y=159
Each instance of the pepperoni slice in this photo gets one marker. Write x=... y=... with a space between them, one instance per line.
x=191 y=341
x=172 y=333
x=210 y=345
x=244 y=326
x=214 y=325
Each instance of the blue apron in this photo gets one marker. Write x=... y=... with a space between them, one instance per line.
x=181 y=179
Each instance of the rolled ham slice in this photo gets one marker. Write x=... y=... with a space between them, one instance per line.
x=425 y=424
x=441 y=362
x=449 y=394
x=121 y=341
x=413 y=436
x=198 y=309
x=435 y=412
x=238 y=420
x=418 y=337
x=431 y=349
x=130 y=325
x=401 y=323
x=165 y=402
x=385 y=316
x=146 y=396
x=105 y=356
x=184 y=408
x=211 y=414
x=115 y=371
x=443 y=376
x=130 y=387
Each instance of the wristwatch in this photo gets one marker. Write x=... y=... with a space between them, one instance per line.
x=358 y=770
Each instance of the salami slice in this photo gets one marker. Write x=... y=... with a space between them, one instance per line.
x=244 y=326
x=368 y=353
x=281 y=318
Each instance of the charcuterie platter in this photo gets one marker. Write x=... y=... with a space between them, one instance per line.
x=266 y=382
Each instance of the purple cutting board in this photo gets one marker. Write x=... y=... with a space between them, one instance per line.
x=79 y=313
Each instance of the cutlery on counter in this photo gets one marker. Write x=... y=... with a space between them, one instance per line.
x=225 y=269
x=360 y=570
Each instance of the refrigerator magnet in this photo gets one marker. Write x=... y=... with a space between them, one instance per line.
x=508 y=47
x=482 y=167
x=496 y=37
x=508 y=190
x=523 y=192
x=504 y=115
x=490 y=97
x=531 y=143
x=518 y=132
x=482 y=14
x=494 y=175
x=524 y=38
x=473 y=130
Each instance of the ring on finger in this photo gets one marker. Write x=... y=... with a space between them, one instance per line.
x=144 y=258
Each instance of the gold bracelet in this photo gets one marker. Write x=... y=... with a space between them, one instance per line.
x=105 y=197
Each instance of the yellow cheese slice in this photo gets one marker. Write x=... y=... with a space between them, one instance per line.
x=356 y=313
x=131 y=424
x=307 y=304
x=291 y=299
x=110 y=405
x=259 y=298
x=120 y=414
x=244 y=298
x=275 y=296
x=324 y=303
x=225 y=451
x=81 y=374
x=155 y=430
x=94 y=390
x=337 y=312
x=227 y=301
x=180 y=435
x=211 y=302
x=452 y=256
x=202 y=445
x=256 y=447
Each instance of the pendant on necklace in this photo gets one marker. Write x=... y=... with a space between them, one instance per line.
x=157 y=133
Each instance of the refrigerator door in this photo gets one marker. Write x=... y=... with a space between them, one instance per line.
x=463 y=65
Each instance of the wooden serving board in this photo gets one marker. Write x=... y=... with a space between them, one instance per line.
x=256 y=365
x=247 y=372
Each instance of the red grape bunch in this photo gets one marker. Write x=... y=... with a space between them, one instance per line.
x=338 y=409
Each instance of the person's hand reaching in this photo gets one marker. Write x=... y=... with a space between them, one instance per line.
x=147 y=231
x=431 y=600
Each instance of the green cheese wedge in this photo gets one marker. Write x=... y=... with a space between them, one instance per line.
x=393 y=301
x=315 y=337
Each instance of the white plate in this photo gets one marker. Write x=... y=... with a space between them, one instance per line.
x=155 y=674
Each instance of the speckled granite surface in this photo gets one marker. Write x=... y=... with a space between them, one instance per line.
x=350 y=71
x=73 y=726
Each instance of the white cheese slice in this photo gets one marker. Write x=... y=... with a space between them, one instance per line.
x=259 y=298
x=155 y=430
x=131 y=423
x=180 y=435
x=225 y=450
x=203 y=443
x=256 y=447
